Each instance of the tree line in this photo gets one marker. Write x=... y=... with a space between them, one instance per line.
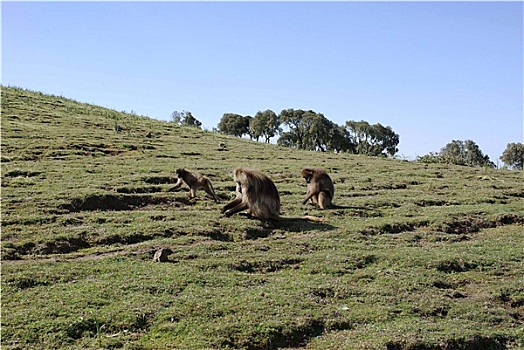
x=309 y=130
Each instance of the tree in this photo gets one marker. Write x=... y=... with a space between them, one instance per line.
x=319 y=133
x=234 y=124
x=287 y=139
x=339 y=140
x=431 y=157
x=297 y=123
x=185 y=118
x=191 y=121
x=372 y=140
x=312 y=131
x=247 y=121
x=265 y=124
x=513 y=155
x=464 y=153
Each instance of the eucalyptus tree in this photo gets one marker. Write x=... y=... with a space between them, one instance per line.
x=265 y=124
x=513 y=155
x=372 y=140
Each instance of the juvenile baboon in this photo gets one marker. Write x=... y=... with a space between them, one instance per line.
x=195 y=181
x=161 y=255
x=320 y=188
x=256 y=193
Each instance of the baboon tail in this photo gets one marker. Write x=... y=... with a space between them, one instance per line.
x=314 y=218
x=305 y=217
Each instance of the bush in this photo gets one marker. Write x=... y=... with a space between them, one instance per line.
x=458 y=152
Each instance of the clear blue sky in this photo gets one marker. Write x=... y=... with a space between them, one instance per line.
x=433 y=71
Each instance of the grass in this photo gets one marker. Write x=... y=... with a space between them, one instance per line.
x=417 y=256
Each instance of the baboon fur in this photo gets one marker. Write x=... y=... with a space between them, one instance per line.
x=257 y=193
x=195 y=181
x=320 y=188
x=161 y=255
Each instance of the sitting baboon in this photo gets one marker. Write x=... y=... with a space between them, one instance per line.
x=320 y=188
x=256 y=193
x=161 y=255
x=195 y=181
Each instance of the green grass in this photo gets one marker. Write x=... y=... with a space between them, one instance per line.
x=418 y=256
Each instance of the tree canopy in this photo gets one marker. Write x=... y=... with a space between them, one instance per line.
x=309 y=130
x=313 y=131
x=265 y=124
x=234 y=124
x=513 y=155
x=185 y=118
x=459 y=152
x=298 y=122
x=464 y=153
x=372 y=140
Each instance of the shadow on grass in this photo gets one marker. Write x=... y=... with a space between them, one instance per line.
x=476 y=342
x=287 y=225
x=112 y=201
x=360 y=211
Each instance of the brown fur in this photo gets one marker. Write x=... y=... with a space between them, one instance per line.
x=256 y=193
x=161 y=255
x=320 y=188
x=195 y=181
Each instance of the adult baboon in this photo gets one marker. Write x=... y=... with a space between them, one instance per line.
x=320 y=188
x=195 y=181
x=256 y=193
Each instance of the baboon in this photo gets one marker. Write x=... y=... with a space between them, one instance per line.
x=195 y=181
x=256 y=193
x=320 y=188
x=161 y=255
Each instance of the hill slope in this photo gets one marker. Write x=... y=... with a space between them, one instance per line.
x=417 y=257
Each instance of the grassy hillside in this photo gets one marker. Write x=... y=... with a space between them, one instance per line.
x=418 y=257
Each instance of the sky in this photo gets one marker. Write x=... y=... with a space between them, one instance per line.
x=432 y=71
